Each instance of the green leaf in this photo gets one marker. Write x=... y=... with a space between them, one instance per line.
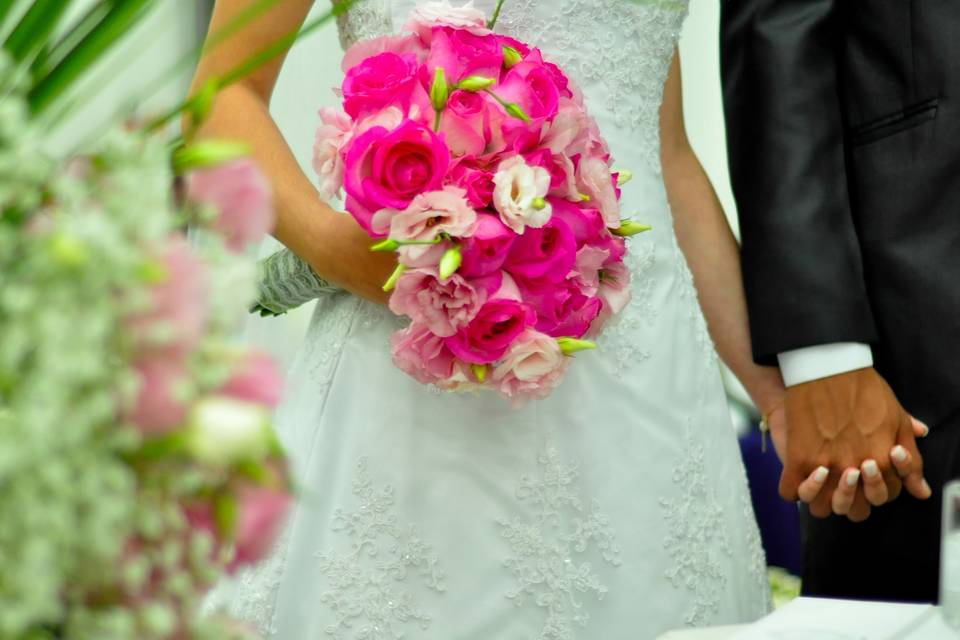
x=117 y=23
x=50 y=57
x=34 y=28
x=226 y=509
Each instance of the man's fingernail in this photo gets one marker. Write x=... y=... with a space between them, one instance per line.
x=821 y=474
x=853 y=477
x=899 y=454
x=870 y=469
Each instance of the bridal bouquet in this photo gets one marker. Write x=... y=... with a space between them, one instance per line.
x=137 y=458
x=476 y=160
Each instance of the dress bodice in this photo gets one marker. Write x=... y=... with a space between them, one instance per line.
x=617 y=51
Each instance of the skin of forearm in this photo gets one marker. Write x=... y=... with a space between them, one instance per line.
x=713 y=255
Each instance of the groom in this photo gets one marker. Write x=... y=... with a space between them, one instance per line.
x=844 y=131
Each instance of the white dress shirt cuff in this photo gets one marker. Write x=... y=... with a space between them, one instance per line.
x=822 y=361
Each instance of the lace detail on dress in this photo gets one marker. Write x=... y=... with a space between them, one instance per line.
x=366 y=591
x=697 y=535
x=624 y=48
x=622 y=337
x=756 y=557
x=257 y=587
x=365 y=19
x=549 y=546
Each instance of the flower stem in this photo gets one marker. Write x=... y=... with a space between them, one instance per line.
x=496 y=15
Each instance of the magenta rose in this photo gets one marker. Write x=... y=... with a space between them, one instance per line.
x=498 y=323
x=478 y=183
x=486 y=250
x=388 y=169
x=382 y=80
x=532 y=86
x=423 y=355
x=589 y=228
x=443 y=306
x=563 y=310
x=547 y=253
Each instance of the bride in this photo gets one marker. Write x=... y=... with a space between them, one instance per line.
x=618 y=507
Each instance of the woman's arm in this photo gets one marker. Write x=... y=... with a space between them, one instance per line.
x=332 y=243
x=711 y=251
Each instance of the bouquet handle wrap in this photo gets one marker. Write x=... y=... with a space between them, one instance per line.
x=287 y=282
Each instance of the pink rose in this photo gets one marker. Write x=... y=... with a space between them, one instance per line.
x=588 y=228
x=429 y=15
x=547 y=254
x=532 y=368
x=331 y=136
x=615 y=287
x=423 y=355
x=463 y=123
x=569 y=126
x=486 y=250
x=388 y=169
x=443 y=306
x=364 y=49
x=163 y=395
x=594 y=179
x=492 y=331
x=261 y=515
x=563 y=310
x=429 y=215
x=478 y=183
x=532 y=86
x=387 y=79
x=176 y=314
x=586 y=272
x=461 y=53
x=255 y=379
x=240 y=194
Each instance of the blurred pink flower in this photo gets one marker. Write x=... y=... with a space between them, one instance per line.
x=162 y=403
x=241 y=195
x=261 y=516
x=255 y=379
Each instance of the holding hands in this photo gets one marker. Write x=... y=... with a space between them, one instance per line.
x=847 y=445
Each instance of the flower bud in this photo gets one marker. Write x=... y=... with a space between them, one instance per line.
x=511 y=56
x=570 y=346
x=207 y=153
x=539 y=203
x=386 y=246
x=624 y=176
x=479 y=371
x=630 y=228
x=70 y=251
x=475 y=83
x=392 y=280
x=517 y=111
x=450 y=262
x=440 y=90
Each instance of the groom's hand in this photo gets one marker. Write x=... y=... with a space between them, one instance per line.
x=840 y=422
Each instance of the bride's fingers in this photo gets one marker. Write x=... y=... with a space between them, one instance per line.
x=811 y=487
x=846 y=490
x=920 y=430
x=912 y=480
x=874 y=486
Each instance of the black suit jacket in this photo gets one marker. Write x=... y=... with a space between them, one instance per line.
x=843 y=120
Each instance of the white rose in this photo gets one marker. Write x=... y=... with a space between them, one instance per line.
x=226 y=430
x=519 y=194
x=443 y=13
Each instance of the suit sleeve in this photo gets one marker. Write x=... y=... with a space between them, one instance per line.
x=803 y=272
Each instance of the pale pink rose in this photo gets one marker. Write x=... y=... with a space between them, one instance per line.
x=531 y=85
x=564 y=129
x=255 y=379
x=517 y=188
x=260 y=518
x=176 y=314
x=423 y=355
x=429 y=215
x=441 y=13
x=586 y=271
x=615 y=287
x=331 y=137
x=162 y=398
x=594 y=179
x=443 y=306
x=364 y=49
x=532 y=368
x=463 y=124
x=241 y=196
x=419 y=257
x=389 y=118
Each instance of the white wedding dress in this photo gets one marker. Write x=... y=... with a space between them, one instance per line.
x=617 y=508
